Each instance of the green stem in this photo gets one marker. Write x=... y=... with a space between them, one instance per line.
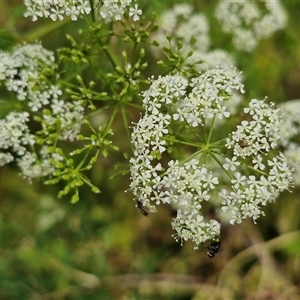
x=113 y=59
x=220 y=164
x=218 y=142
x=258 y=171
x=134 y=105
x=211 y=130
x=181 y=142
x=110 y=120
x=123 y=112
x=44 y=30
x=87 y=182
x=204 y=130
x=95 y=112
x=191 y=157
x=82 y=161
x=92 y=11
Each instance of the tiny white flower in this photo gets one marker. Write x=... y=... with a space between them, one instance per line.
x=258 y=162
x=231 y=164
x=135 y=12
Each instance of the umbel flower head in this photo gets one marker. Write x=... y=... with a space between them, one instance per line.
x=179 y=158
x=182 y=23
x=188 y=34
x=250 y=21
x=108 y=10
x=56 y=9
x=25 y=72
x=290 y=111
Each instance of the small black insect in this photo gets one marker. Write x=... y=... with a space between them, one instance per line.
x=142 y=208
x=213 y=248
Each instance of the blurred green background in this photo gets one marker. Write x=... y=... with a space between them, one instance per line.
x=103 y=248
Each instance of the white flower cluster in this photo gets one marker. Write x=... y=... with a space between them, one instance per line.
x=190 y=225
x=211 y=59
x=181 y=23
x=249 y=21
x=250 y=192
x=33 y=165
x=111 y=10
x=251 y=142
x=251 y=176
x=184 y=184
x=205 y=100
x=259 y=134
x=292 y=154
x=14 y=136
x=56 y=9
x=290 y=111
x=23 y=72
x=70 y=116
x=15 y=143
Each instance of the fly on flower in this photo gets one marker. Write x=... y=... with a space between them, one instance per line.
x=141 y=207
x=213 y=248
x=243 y=143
